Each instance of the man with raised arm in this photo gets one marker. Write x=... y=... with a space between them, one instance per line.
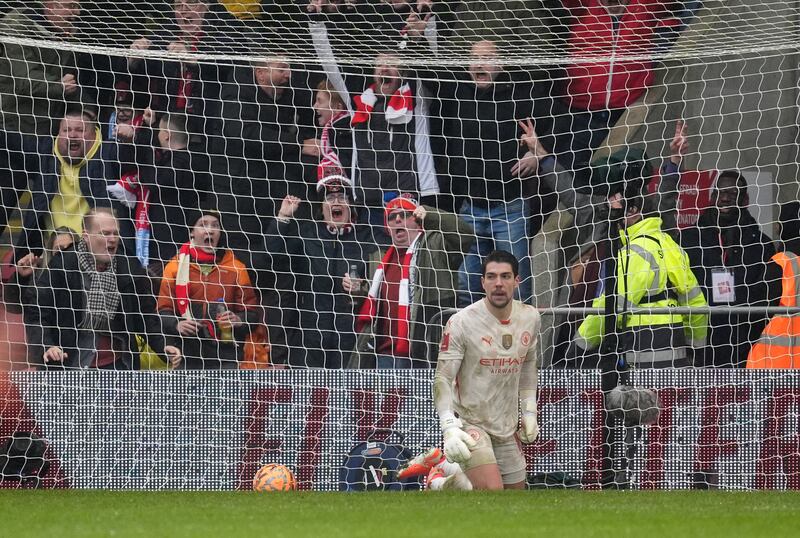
x=413 y=284
x=390 y=124
x=487 y=373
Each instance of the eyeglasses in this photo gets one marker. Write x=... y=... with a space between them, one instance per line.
x=402 y=214
x=336 y=197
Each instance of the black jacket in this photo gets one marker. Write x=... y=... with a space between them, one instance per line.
x=256 y=160
x=263 y=134
x=163 y=79
x=60 y=294
x=744 y=250
x=177 y=192
x=319 y=261
x=481 y=130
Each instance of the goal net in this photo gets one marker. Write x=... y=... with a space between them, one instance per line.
x=302 y=194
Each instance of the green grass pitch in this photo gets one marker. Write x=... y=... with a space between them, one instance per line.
x=68 y=513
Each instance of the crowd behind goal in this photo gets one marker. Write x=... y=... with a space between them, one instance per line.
x=163 y=210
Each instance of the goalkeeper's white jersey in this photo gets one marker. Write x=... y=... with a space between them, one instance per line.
x=491 y=353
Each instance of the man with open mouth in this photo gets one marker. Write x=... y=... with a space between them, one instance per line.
x=412 y=286
x=330 y=276
x=72 y=181
x=206 y=301
x=111 y=299
x=491 y=174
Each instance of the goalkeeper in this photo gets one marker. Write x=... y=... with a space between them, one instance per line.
x=487 y=368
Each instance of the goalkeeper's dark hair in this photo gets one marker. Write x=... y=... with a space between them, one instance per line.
x=501 y=256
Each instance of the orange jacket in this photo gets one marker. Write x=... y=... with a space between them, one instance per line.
x=227 y=280
x=779 y=345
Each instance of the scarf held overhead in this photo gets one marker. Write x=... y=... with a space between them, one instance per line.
x=399 y=109
x=133 y=194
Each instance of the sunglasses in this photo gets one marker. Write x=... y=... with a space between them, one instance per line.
x=402 y=214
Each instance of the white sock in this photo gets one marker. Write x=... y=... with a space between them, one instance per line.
x=449 y=468
x=437 y=483
x=457 y=481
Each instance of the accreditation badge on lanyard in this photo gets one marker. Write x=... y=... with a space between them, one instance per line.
x=724 y=290
x=722 y=281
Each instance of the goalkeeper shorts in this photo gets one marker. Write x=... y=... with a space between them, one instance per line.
x=505 y=453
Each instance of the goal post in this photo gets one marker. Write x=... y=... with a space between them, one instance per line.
x=303 y=192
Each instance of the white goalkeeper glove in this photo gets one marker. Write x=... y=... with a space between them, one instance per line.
x=530 y=423
x=457 y=442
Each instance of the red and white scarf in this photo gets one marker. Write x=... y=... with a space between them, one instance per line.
x=329 y=162
x=132 y=194
x=370 y=307
x=188 y=254
x=399 y=109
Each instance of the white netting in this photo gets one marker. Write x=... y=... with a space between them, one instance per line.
x=305 y=138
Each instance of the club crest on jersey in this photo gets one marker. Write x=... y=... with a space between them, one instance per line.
x=507 y=341
x=526 y=339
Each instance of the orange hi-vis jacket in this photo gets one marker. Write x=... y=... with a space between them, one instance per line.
x=779 y=345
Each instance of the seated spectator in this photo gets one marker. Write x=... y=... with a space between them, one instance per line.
x=206 y=302
x=391 y=125
x=729 y=254
x=414 y=283
x=334 y=148
x=652 y=271
x=35 y=85
x=597 y=93
x=331 y=257
x=71 y=181
x=164 y=192
x=92 y=303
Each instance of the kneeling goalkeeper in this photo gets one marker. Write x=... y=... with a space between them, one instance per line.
x=487 y=368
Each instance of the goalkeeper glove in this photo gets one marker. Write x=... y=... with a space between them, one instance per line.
x=457 y=442
x=530 y=424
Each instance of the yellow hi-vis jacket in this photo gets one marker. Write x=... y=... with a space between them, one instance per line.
x=652 y=271
x=779 y=345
